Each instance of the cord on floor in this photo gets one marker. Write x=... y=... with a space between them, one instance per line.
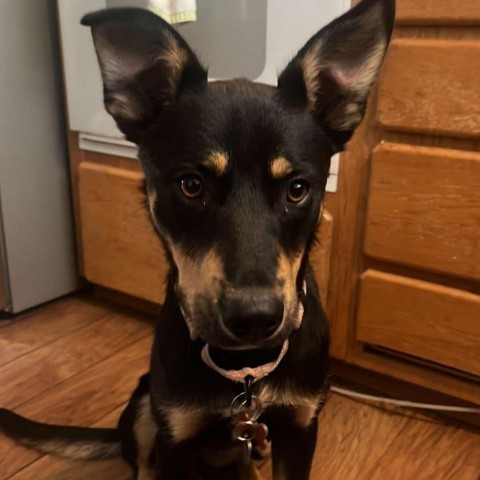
x=403 y=403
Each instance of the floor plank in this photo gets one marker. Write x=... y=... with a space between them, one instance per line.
x=63 y=358
x=80 y=400
x=426 y=450
x=76 y=361
x=362 y=438
x=46 y=324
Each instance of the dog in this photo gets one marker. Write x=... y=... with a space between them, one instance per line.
x=235 y=174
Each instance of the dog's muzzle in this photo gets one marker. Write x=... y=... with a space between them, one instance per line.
x=259 y=371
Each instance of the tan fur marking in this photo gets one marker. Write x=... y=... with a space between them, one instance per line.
x=184 y=422
x=279 y=472
x=217 y=162
x=123 y=105
x=303 y=415
x=311 y=64
x=287 y=272
x=175 y=57
x=304 y=407
x=145 y=430
x=280 y=168
x=198 y=275
x=74 y=451
x=354 y=75
x=152 y=200
x=250 y=472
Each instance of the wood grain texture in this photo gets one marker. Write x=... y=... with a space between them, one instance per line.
x=60 y=320
x=355 y=440
x=347 y=437
x=438 y=12
x=349 y=205
x=425 y=320
x=380 y=443
x=436 y=92
x=348 y=209
x=75 y=157
x=467 y=144
x=424 y=209
x=408 y=455
x=120 y=248
x=63 y=358
x=81 y=400
x=415 y=373
x=376 y=383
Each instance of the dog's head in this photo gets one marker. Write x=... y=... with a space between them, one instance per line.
x=236 y=171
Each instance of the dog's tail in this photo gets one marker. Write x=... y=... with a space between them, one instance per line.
x=77 y=443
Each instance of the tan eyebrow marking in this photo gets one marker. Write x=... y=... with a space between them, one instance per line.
x=280 y=167
x=217 y=162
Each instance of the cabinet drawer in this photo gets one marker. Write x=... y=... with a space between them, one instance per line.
x=424 y=209
x=120 y=248
x=438 y=12
x=421 y=319
x=432 y=86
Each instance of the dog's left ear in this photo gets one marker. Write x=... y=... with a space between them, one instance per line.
x=333 y=73
x=145 y=65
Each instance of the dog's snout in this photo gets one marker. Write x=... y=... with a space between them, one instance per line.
x=252 y=320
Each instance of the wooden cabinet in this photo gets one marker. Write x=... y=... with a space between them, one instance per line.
x=398 y=261
x=404 y=296
x=431 y=86
x=438 y=12
x=120 y=250
x=422 y=319
x=422 y=204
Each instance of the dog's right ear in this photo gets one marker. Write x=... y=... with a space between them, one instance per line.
x=333 y=73
x=145 y=64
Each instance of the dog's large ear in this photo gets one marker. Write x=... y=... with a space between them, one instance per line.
x=333 y=73
x=145 y=65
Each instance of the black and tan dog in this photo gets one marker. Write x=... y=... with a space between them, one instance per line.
x=235 y=175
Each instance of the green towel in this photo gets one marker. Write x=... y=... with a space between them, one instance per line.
x=174 y=11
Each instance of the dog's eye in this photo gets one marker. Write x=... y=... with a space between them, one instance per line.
x=191 y=186
x=297 y=191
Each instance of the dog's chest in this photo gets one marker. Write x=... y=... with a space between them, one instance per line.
x=187 y=421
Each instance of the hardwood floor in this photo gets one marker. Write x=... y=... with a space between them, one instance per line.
x=77 y=360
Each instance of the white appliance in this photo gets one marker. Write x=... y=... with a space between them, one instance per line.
x=37 y=248
x=248 y=38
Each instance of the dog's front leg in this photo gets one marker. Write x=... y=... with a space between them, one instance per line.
x=293 y=447
x=172 y=461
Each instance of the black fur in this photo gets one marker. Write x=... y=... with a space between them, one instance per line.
x=241 y=242
x=55 y=439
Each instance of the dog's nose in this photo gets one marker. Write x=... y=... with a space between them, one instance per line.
x=252 y=320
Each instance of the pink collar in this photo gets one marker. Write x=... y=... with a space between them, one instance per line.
x=239 y=375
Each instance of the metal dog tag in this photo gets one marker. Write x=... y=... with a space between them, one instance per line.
x=247 y=452
x=261 y=434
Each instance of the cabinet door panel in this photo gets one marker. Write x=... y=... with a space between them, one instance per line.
x=120 y=248
x=422 y=319
x=424 y=209
x=437 y=92
x=438 y=12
